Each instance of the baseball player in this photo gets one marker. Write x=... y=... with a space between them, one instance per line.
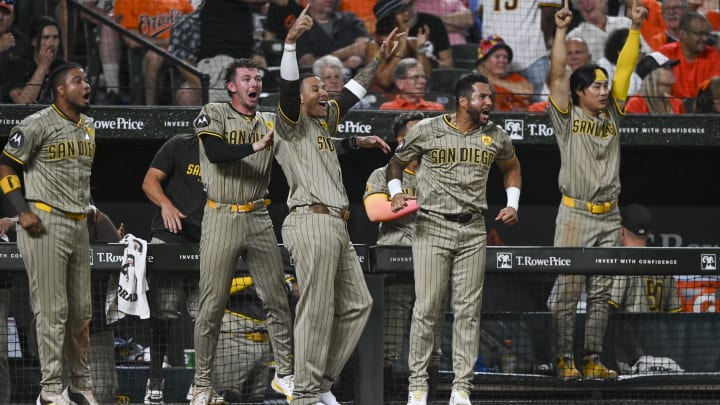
x=173 y=184
x=243 y=352
x=642 y=293
x=588 y=138
x=456 y=152
x=235 y=161
x=334 y=302
x=635 y=293
x=55 y=148
x=397 y=228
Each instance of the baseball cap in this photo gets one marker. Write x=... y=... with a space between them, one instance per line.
x=636 y=218
x=490 y=44
x=385 y=8
x=653 y=61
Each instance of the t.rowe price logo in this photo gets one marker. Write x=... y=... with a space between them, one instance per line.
x=352 y=127
x=708 y=262
x=120 y=123
x=541 y=130
x=514 y=128
x=505 y=260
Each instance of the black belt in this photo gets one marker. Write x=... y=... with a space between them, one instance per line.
x=461 y=218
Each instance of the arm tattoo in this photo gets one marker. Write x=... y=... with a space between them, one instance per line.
x=366 y=74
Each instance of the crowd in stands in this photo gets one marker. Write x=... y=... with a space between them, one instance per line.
x=682 y=38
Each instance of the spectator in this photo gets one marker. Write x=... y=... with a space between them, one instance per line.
x=217 y=49
x=672 y=11
x=708 y=98
x=454 y=14
x=337 y=33
x=13 y=46
x=410 y=80
x=577 y=53
x=330 y=70
x=708 y=8
x=434 y=28
x=281 y=17
x=363 y=9
x=597 y=25
x=109 y=46
x=27 y=76
x=152 y=20
x=656 y=71
x=512 y=21
x=613 y=45
x=512 y=91
x=392 y=14
x=698 y=60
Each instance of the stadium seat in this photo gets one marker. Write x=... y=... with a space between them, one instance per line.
x=443 y=79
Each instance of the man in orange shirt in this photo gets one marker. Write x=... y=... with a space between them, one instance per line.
x=409 y=77
x=698 y=60
x=153 y=20
x=672 y=11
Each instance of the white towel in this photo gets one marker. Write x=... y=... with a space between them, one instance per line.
x=129 y=297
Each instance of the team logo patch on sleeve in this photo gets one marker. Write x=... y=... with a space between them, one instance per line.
x=269 y=125
x=486 y=140
x=201 y=121
x=17 y=139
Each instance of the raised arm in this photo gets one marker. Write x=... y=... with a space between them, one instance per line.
x=559 y=83
x=289 y=104
x=628 y=56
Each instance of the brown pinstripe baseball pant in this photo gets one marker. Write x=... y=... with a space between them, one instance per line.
x=334 y=302
x=225 y=237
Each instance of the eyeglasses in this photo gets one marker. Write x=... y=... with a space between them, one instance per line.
x=700 y=33
x=415 y=77
x=675 y=8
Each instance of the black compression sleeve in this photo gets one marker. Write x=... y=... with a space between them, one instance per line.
x=218 y=151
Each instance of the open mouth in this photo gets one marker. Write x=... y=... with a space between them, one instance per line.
x=86 y=97
x=485 y=114
x=253 y=95
x=323 y=104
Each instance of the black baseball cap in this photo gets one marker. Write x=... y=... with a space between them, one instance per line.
x=637 y=219
x=653 y=61
x=384 y=8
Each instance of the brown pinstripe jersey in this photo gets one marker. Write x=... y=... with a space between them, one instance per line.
x=645 y=294
x=454 y=165
x=57 y=155
x=401 y=230
x=589 y=152
x=307 y=154
x=243 y=180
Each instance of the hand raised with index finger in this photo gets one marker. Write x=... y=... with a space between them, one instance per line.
x=639 y=13
x=563 y=17
x=390 y=44
x=302 y=24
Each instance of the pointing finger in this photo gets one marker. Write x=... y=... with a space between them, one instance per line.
x=304 y=12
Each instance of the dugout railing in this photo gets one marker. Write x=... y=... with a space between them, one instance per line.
x=517 y=285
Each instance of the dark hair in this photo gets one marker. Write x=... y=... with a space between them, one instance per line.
x=582 y=78
x=231 y=70
x=614 y=43
x=386 y=25
x=57 y=75
x=401 y=120
x=464 y=85
x=39 y=24
x=688 y=17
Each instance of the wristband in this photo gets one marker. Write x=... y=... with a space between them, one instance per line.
x=9 y=183
x=513 y=197
x=394 y=187
x=289 y=47
x=352 y=142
